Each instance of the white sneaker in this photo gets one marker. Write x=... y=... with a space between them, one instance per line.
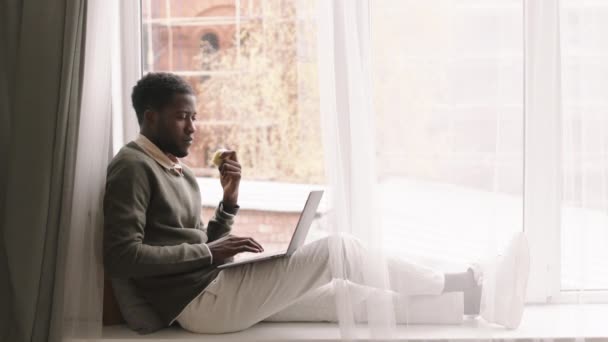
x=504 y=285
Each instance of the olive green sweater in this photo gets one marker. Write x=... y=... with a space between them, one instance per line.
x=153 y=233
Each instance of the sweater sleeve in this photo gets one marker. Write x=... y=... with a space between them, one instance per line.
x=125 y=255
x=221 y=223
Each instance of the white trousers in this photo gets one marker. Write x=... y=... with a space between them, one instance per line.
x=299 y=288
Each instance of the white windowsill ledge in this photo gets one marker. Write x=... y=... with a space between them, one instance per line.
x=262 y=195
x=540 y=321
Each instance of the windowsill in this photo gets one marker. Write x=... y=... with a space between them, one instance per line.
x=262 y=195
x=540 y=321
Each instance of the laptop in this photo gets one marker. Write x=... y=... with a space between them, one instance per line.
x=298 y=237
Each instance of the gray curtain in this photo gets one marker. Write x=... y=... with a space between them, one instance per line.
x=40 y=69
x=7 y=62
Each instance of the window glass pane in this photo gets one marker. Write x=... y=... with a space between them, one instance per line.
x=448 y=86
x=252 y=64
x=256 y=90
x=584 y=28
x=448 y=98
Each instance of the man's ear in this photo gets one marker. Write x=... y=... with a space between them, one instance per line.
x=150 y=117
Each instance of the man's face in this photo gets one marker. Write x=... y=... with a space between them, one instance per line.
x=174 y=126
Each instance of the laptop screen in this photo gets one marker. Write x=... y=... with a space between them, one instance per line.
x=306 y=218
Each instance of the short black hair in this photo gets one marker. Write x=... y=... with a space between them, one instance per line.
x=155 y=90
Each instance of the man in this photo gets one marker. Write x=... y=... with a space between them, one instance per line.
x=153 y=235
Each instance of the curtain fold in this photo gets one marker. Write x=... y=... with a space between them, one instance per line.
x=10 y=14
x=78 y=301
x=349 y=149
x=542 y=166
x=43 y=87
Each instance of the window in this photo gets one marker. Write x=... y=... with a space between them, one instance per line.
x=448 y=87
x=450 y=101
x=251 y=86
x=256 y=93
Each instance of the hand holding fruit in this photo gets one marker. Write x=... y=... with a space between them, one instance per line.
x=230 y=175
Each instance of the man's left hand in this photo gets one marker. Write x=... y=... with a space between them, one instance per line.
x=230 y=178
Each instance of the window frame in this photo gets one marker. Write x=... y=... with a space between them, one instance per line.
x=541 y=222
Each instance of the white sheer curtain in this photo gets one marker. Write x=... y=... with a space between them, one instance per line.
x=584 y=137
x=542 y=143
x=448 y=88
x=398 y=168
x=584 y=153
x=435 y=112
x=79 y=299
x=348 y=137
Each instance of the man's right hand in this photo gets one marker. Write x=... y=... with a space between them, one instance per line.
x=232 y=246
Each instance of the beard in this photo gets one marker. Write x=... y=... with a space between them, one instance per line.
x=173 y=148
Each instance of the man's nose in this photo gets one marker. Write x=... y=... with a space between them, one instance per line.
x=191 y=127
